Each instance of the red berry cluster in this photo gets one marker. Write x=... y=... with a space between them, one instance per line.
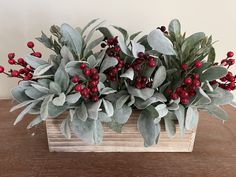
x=227 y=82
x=143 y=61
x=189 y=85
x=89 y=88
x=113 y=50
x=25 y=73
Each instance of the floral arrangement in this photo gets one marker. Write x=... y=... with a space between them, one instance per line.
x=93 y=81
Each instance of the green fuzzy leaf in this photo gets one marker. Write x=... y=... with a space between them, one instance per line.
x=92 y=61
x=170 y=125
x=93 y=108
x=103 y=117
x=108 y=107
x=62 y=78
x=180 y=115
x=175 y=28
x=107 y=91
x=124 y=47
x=106 y=32
x=42 y=69
x=136 y=48
x=65 y=128
x=121 y=101
x=40 y=88
x=162 y=110
x=18 y=94
x=73 y=98
x=123 y=32
x=213 y=73
x=25 y=111
x=128 y=74
x=34 y=122
x=132 y=100
x=204 y=98
x=60 y=100
x=35 y=62
x=90 y=131
x=45 y=40
x=54 y=88
x=71 y=37
x=33 y=93
x=223 y=97
x=55 y=111
x=66 y=54
x=107 y=63
x=148 y=129
x=44 y=107
x=115 y=126
x=23 y=104
x=142 y=104
x=211 y=55
x=141 y=93
x=81 y=112
x=92 y=31
x=92 y=45
x=160 y=43
x=192 y=41
x=133 y=36
x=122 y=115
x=217 y=112
x=192 y=117
x=159 y=77
x=89 y=24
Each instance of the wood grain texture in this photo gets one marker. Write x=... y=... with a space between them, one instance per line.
x=24 y=155
x=130 y=140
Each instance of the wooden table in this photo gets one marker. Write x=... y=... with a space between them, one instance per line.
x=25 y=155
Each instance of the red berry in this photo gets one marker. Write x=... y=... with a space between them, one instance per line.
x=117 y=49
x=95 y=98
x=2 y=69
x=137 y=67
x=114 y=70
x=138 y=85
x=22 y=71
x=232 y=85
x=151 y=63
x=184 y=67
x=213 y=82
x=230 y=54
x=78 y=88
x=38 y=54
x=11 y=55
x=198 y=64
x=196 y=83
x=27 y=70
x=94 y=71
x=21 y=61
x=75 y=79
x=231 y=78
x=82 y=66
x=30 y=44
x=86 y=71
x=139 y=79
x=121 y=64
x=163 y=29
x=174 y=96
x=94 y=89
x=188 y=81
x=231 y=62
x=179 y=90
x=11 y=61
x=192 y=93
x=26 y=78
x=30 y=76
x=110 y=41
x=95 y=77
x=144 y=79
x=184 y=94
x=184 y=101
x=195 y=75
x=85 y=92
x=93 y=84
x=138 y=61
x=15 y=73
x=140 y=55
x=223 y=79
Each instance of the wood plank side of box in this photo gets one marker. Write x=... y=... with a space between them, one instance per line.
x=130 y=140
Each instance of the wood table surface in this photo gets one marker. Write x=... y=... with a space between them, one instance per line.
x=24 y=153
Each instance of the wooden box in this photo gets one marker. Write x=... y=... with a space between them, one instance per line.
x=130 y=140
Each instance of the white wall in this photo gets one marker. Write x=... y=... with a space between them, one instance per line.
x=22 y=20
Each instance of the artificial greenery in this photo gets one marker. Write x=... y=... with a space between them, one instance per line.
x=95 y=81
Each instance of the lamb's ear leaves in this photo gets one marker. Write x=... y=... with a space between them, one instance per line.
x=136 y=48
x=213 y=73
x=35 y=62
x=211 y=55
x=65 y=128
x=159 y=42
x=148 y=129
x=62 y=78
x=128 y=74
x=107 y=63
x=125 y=111
x=159 y=77
x=93 y=108
x=108 y=107
x=71 y=37
x=217 y=112
x=192 y=117
x=174 y=28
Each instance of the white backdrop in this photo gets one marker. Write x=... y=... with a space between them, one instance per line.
x=23 y=20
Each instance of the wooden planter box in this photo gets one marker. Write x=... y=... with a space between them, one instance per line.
x=130 y=140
